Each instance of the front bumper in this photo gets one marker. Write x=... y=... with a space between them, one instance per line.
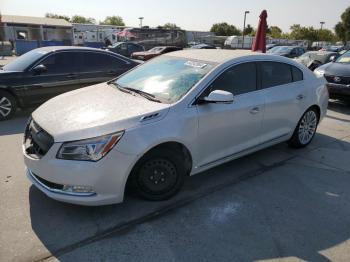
x=338 y=91
x=106 y=178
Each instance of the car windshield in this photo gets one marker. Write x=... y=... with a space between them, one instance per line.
x=344 y=59
x=22 y=62
x=166 y=78
x=156 y=49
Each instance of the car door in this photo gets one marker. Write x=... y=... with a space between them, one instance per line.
x=97 y=67
x=227 y=129
x=60 y=75
x=284 y=95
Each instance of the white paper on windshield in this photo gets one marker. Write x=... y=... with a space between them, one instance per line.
x=195 y=64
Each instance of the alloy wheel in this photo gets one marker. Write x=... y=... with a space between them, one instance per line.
x=307 y=127
x=5 y=106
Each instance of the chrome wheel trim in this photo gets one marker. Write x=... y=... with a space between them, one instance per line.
x=5 y=106
x=307 y=127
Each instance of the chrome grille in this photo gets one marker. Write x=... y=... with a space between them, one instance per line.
x=37 y=141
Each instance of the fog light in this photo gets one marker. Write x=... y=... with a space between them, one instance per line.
x=77 y=189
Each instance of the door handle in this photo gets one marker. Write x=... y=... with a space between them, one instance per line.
x=300 y=97
x=254 y=110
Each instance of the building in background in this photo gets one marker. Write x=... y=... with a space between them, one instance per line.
x=36 y=28
x=28 y=32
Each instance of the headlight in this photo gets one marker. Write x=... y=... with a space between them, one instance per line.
x=92 y=149
x=319 y=72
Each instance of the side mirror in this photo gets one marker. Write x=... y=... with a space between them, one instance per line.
x=218 y=96
x=332 y=58
x=39 y=69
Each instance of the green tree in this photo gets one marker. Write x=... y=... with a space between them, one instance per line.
x=170 y=26
x=82 y=20
x=342 y=29
x=249 y=30
x=224 y=29
x=51 y=15
x=113 y=20
x=275 y=32
x=326 y=35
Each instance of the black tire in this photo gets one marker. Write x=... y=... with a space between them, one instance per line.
x=159 y=175
x=296 y=140
x=8 y=105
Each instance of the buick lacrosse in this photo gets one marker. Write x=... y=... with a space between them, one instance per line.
x=176 y=115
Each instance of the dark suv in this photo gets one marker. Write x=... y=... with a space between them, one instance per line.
x=43 y=73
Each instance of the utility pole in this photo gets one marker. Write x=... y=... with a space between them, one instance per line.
x=245 y=16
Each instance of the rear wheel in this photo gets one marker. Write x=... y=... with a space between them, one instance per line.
x=305 y=130
x=8 y=105
x=159 y=174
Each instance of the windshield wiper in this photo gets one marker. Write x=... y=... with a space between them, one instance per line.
x=137 y=91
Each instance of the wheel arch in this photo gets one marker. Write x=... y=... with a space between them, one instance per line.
x=172 y=145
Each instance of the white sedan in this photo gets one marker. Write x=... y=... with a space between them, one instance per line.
x=177 y=115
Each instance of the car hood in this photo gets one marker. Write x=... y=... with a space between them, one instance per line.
x=337 y=69
x=94 y=111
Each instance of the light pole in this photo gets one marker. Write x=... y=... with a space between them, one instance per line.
x=141 y=18
x=322 y=23
x=319 y=36
x=245 y=16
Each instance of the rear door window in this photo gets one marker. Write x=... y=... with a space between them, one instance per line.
x=96 y=62
x=275 y=74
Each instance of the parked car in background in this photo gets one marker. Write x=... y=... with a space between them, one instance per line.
x=333 y=48
x=125 y=48
x=45 y=72
x=314 y=59
x=155 y=51
x=269 y=46
x=287 y=51
x=178 y=114
x=337 y=74
x=203 y=46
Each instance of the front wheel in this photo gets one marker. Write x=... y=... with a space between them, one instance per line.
x=159 y=175
x=305 y=130
x=7 y=105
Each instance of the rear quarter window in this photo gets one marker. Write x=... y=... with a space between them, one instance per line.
x=297 y=74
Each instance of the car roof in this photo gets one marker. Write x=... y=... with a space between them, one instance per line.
x=56 y=48
x=212 y=55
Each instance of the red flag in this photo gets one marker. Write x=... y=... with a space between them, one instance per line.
x=259 y=43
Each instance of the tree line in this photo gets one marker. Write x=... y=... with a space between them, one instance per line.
x=109 y=20
x=297 y=32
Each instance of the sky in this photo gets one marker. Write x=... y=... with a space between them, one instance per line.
x=189 y=14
